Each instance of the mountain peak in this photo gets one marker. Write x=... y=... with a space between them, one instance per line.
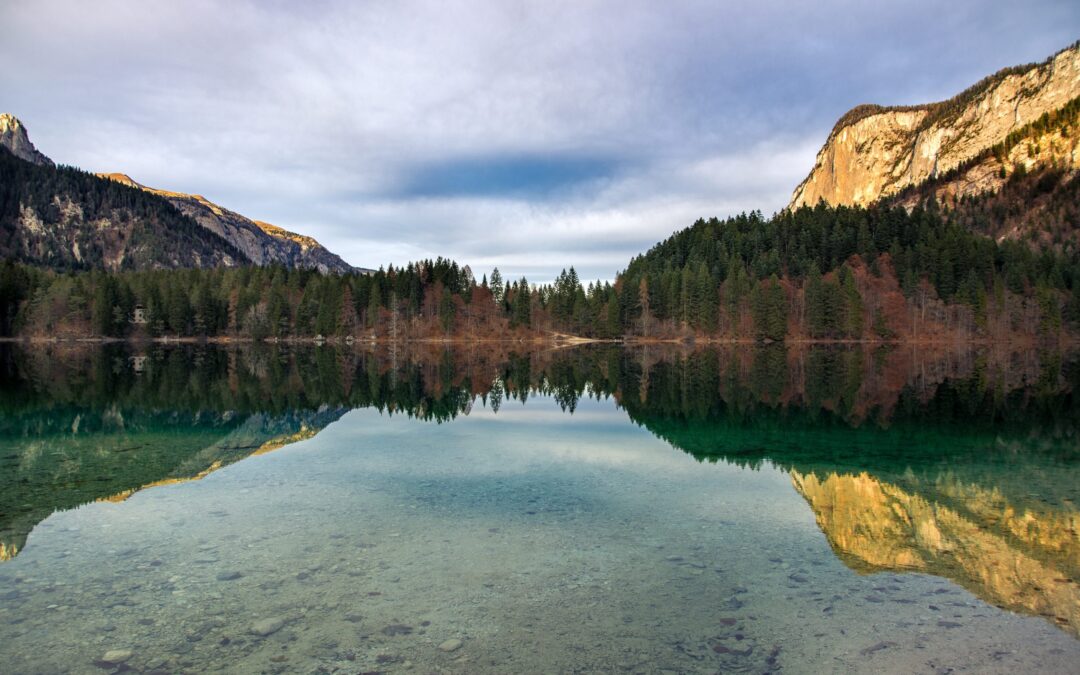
x=14 y=137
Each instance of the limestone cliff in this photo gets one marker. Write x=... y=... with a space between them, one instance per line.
x=13 y=136
x=262 y=243
x=874 y=152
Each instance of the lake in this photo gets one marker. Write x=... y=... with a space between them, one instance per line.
x=481 y=509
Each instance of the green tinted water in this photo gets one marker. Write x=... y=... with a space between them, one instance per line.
x=594 y=510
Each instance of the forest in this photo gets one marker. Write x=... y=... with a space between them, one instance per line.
x=847 y=272
x=817 y=274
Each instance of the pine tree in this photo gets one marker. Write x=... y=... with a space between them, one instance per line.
x=817 y=322
x=521 y=310
x=497 y=290
x=852 y=303
x=769 y=305
x=374 y=305
x=706 y=299
x=643 y=300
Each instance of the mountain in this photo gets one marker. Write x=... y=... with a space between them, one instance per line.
x=1026 y=188
x=64 y=218
x=261 y=243
x=13 y=136
x=875 y=151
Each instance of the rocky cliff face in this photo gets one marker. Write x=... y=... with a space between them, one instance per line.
x=262 y=243
x=13 y=136
x=874 y=152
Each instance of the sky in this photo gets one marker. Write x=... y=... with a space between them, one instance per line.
x=528 y=136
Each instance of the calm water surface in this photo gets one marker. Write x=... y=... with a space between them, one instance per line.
x=603 y=511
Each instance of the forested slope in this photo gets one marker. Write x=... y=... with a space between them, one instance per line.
x=67 y=219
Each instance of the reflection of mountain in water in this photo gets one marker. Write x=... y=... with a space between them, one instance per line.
x=973 y=479
x=60 y=459
x=962 y=464
x=1020 y=559
x=84 y=424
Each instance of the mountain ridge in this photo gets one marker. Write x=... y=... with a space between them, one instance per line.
x=262 y=242
x=69 y=228
x=874 y=152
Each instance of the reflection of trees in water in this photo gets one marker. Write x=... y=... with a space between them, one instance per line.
x=790 y=386
x=112 y=427
x=966 y=466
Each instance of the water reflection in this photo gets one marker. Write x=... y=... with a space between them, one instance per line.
x=965 y=467
x=1023 y=560
x=960 y=464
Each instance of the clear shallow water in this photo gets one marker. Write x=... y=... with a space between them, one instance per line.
x=551 y=542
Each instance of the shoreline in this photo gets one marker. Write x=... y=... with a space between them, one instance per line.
x=557 y=340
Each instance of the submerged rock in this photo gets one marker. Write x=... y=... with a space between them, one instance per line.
x=450 y=645
x=268 y=626
x=117 y=656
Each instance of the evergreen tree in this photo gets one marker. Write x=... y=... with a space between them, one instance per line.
x=521 y=310
x=769 y=303
x=497 y=290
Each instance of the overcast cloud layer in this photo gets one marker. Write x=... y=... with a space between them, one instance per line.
x=529 y=136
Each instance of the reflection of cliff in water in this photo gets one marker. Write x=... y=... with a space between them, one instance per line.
x=969 y=471
x=1022 y=559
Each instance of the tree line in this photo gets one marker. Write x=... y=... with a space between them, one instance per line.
x=817 y=273
x=824 y=268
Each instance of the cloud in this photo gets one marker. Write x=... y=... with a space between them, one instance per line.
x=534 y=136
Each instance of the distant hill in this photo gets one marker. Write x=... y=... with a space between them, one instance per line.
x=876 y=152
x=64 y=218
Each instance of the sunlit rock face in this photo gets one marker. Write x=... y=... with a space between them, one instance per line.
x=1020 y=558
x=13 y=136
x=875 y=152
x=1059 y=148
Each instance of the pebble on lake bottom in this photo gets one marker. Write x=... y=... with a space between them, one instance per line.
x=117 y=656
x=267 y=627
